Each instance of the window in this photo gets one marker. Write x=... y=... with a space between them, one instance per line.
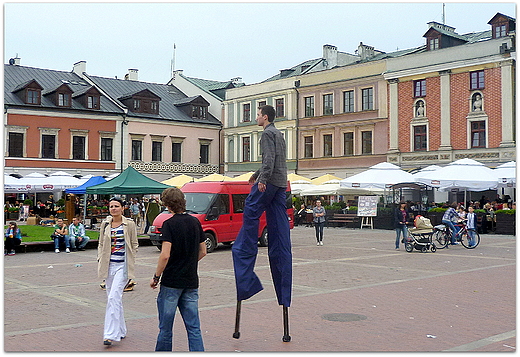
x=348 y=101
x=366 y=142
x=247 y=112
x=279 y=108
x=478 y=134
x=476 y=80
x=500 y=31
x=419 y=88
x=239 y=202
x=328 y=104
x=367 y=99
x=420 y=140
x=262 y=103
x=137 y=104
x=33 y=96
x=106 y=149
x=92 y=102
x=15 y=145
x=154 y=107
x=176 y=152
x=221 y=204
x=156 y=150
x=327 y=145
x=64 y=99
x=204 y=153
x=246 y=149
x=309 y=106
x=48 y=146
x=78 y=148
x=309 y=145
x=434 y=43
x=348 y=144
x=137 y=150
x=199 y=111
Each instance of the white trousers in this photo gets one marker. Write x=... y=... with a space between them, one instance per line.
x=115 y=326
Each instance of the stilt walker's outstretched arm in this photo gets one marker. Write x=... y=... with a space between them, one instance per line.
x=236 y=334
x=286 y=337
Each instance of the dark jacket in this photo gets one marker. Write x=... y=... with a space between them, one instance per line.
x=398 y=218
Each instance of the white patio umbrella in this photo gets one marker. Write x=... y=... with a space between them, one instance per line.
x=13 y=185
x=379 y=176
x=326 y=189
x=506 y=174
x=426 y=170
x=465 y=174
x=300 y=185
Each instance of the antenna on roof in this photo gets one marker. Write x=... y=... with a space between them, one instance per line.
x=443 y=14
x=173 y=61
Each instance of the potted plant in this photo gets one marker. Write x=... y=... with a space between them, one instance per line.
x=505 y=221
x=14 y=212
x=435 y=215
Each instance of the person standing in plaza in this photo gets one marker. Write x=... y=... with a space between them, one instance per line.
x=268 y=193
x=116 y=259
x=400 y=220
x=182 y=247
x=318 y=212
x=471 y=225
x=13 y=238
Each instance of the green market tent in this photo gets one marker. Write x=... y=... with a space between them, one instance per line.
x=128 y=182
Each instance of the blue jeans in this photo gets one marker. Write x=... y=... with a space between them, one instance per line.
x=187 y=300
x=319 y=230
x=80 y=245
x=471 y=236
x=402 y=229
x=57 y=242
x=454 y=229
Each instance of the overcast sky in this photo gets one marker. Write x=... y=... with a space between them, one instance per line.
x=219 y=41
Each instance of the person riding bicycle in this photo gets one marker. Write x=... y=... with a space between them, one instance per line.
x=449 y=217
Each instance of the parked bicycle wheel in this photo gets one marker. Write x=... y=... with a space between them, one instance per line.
x=464 y=239
x=440 y=239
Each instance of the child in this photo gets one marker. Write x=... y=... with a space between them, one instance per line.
x=471 y=225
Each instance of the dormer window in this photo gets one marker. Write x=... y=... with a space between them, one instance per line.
x=502 y=25
x=195 y=107
x=199 y=111
x=142 y=102
x=29 y=92
x=33 y=96
x=93 y=102
x=434 y=43
x=89 y=97
x=64 y=99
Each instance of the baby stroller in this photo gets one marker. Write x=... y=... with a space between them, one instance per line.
x=421 y=236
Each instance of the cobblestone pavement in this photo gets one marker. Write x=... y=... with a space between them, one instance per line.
x=355 y=293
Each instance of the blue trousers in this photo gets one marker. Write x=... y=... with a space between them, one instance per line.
x=245 y=248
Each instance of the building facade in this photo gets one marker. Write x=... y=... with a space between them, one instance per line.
x=455 y=99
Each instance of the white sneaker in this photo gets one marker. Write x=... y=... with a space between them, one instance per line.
x=321 y=243
x=318 y=243
x=67 y=250
x=56 y=250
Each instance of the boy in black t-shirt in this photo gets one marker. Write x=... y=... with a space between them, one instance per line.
x=182 y=247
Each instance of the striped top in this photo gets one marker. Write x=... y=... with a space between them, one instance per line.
x=117 y=239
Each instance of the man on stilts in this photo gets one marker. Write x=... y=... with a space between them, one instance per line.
x=268 y=194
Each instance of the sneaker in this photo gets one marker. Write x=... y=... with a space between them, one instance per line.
x=67 y=250
x=12 y=252
x=455 y=243
x=318 y=243
x=321 y=242
x=56 y=250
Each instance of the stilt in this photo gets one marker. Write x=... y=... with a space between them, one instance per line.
x=286 y=337
x=236 y=334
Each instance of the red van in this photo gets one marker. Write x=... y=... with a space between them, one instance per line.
x=219 y=207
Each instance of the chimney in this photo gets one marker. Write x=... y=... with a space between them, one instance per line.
x=80 y=68
x=330 y=54
x=132 y=75
x=14 y=61
x=237 y=80
x=365 y=51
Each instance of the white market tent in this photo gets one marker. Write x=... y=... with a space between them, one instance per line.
x=426 y=171
x=379 y=176
x=506 y=174
x=13 y=185
x=465 y=174
x=326 y=189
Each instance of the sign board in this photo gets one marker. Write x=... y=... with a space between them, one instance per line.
x=367 y=206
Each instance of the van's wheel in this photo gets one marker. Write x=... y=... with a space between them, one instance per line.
x=211 y=243
x=263 y=240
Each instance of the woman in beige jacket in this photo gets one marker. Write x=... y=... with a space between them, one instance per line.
x=116 y=259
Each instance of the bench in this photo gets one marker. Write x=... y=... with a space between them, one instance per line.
x=343 y=218
x=49 y=245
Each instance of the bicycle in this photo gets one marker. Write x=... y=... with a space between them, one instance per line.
x=442 y=236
